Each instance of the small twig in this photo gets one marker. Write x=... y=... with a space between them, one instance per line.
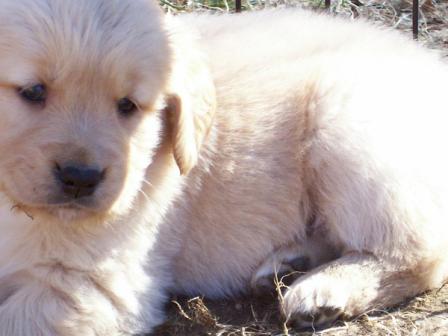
x=181 y=310
x=441 y=287
x=170 y=4
x=226 y=4
x=210 y=7
x=18 y=207
x=278 y=288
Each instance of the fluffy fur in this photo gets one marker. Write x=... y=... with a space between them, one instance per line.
x=259 y=138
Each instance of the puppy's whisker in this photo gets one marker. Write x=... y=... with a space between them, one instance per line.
x=144 y=194
x=147 y=182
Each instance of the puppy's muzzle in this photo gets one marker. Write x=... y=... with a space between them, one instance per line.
x=78 y=181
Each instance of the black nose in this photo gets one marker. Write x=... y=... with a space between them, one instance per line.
x=78 y=181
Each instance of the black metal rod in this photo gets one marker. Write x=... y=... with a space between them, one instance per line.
x=415 y=19
x=238 y=6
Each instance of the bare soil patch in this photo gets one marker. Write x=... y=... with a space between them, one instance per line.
x=426 y=314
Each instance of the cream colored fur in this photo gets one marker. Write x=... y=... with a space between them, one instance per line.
x=251 y=128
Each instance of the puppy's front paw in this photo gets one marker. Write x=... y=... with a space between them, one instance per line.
x=292 y=261
x=315 y=301
x=286 y=265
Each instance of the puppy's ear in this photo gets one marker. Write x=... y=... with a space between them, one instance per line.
x=190 y=102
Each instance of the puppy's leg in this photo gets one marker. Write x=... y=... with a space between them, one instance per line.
x=33 y=309
x=389 y=223
x=288 y=263
x=77 y=305
x=349 y=286
x=293 y=260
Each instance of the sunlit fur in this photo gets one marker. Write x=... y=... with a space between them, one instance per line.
x=250 y=127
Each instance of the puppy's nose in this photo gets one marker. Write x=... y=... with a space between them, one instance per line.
x=78 y=181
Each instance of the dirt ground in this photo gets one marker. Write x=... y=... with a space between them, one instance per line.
x=426 y=314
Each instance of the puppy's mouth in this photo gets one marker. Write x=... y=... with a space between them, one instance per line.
x=63 y=211
x=72 y=206
x=70 y=211
x=66 y=213
x=58 y=207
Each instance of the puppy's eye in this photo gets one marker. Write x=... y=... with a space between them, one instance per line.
x=126 y=107
x=34 y=94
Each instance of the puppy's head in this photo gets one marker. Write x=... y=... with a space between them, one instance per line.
x=79 y=85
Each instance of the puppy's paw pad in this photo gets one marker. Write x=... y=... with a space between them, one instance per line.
x=322 y=317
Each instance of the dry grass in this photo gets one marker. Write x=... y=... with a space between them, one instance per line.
x=251 y=316
x=433 y=23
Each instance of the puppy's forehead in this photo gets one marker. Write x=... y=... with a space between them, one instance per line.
x=112 y=38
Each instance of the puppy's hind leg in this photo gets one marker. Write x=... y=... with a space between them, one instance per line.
x=388 y=223
x=348 y=287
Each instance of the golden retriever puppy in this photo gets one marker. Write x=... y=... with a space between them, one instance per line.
x=324 y=155
x=81 y=83
x=142 y=154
